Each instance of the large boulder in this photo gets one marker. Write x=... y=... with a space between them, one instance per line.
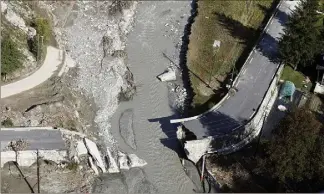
x=31 y=32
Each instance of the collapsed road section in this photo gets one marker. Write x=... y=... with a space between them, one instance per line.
x=227 y=126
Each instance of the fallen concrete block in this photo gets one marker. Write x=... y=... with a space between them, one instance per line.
x=93 y=166
x=94 y=152
x=180 y=132
x=136 y=161
x=169 y=75
x=81 y=149
x=197 y=148
x=123 y=161
x=113 y=166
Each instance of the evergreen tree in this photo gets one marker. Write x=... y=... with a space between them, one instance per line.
x=301 y=39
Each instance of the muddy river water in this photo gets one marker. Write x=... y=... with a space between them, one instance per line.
x=158 y=28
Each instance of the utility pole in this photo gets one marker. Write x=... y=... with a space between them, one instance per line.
x=18 y=146
x=41 y=47
x=232 y=76
x=38 y=181
x=37 y=57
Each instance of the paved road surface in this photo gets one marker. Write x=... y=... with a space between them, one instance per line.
x=251 y=85
x=37 y=139
x=52 y=61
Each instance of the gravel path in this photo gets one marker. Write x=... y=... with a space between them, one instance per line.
x=158 y=28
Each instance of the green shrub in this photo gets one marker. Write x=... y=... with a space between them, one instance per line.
x=70 y=124
x=7 y=123
x=43 y=29
x=11 y=57
x=73 y=166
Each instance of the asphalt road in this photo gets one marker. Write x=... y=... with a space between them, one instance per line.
x=36 y=139
x=251 y=85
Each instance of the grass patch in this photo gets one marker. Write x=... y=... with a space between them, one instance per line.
x=289 y=74
x=236 y=24
x=7 y=123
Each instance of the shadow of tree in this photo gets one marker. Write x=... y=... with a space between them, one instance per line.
x=268 y=46
x=183 y=54
x=263 y=8
x=236 y=28
x=282 y=17
x=249 y=36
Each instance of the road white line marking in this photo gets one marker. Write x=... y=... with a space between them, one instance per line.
x=271 y=21
x=243 y=71
x=251 y=59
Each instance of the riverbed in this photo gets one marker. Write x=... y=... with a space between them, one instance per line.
x=158 y=28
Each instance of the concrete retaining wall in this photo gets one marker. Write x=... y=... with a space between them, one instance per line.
x=27 y=158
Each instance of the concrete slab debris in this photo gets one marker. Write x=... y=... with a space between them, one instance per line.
x=113 y=166
x=94 y=152
x=196 y=148
x=81 y=149
x=135 y=161
x=180 y=132
x=93 y=166
x=123 y=161
x=168 y=75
